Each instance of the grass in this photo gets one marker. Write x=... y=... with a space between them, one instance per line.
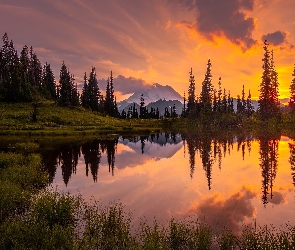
x=16 y=119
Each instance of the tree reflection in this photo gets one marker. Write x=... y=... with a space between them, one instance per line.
x=292 y=160
x=68 y=160
x=212 y=148
x=269 y=163
x=110 y=146
x=92 y=157
x=49 y=162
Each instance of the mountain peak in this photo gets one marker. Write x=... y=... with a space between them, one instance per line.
x=152 y=94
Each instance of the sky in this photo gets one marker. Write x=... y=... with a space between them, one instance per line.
x=157 y=41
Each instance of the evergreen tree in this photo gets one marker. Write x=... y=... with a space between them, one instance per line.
x=35 y=71
x=110 y=106
x=142 y=109
x=48 y=83
x=191 y=93
x=275 y=86
x=184 y=107
x=230 y=103
x=173 y=113
x=268 y=99
x=93 y=92
x=84 y=95
x=75 y=98
x=239 y=106
x=219 y=104
x=249 y=105
x=67 y=90
x=207 y=92
x=244 y=101
x=215 y=103
x=224 y=102
x=292 y=92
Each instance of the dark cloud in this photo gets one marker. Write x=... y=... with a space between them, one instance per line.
x=228 y=213
x=225 y=18
x=275 y=38
x=125 y=85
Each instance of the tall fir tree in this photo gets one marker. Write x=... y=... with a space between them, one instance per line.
x=35 y=71
x=268 y=98
x=244 y=101
x=93 y=92
x=68 y=95
x=191 y=93
x=110 y=106
x=219 y=98
x=142 y=108
x=206 y=95
x=84 y=95
x=292 y=93
x=48 y=83
x=249 y=105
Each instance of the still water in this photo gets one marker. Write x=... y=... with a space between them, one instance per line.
x=225 y=182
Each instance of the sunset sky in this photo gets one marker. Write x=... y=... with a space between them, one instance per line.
x=157 y=41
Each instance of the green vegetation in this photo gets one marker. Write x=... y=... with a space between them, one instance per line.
x=16 y=119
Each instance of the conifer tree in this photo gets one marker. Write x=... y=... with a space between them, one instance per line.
x=75 y=98
x=84 y=95
x=292 y=92
x=142 y=108
x=249 y=105
x=93 y=92
x=184 y=106
x=274 y=85
x=67 y=90
x=191 y=93
x=219 y=96
x=215 y=103
x=207 y=91
x=230 y=103
x=239 y=106
x=268 y=99
x=48 y=83
x=110 y=106
x=35 y=71
x=244 y=101
x=224 y=102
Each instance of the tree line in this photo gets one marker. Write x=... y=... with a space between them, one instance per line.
x=24 y=79
x=212 y=104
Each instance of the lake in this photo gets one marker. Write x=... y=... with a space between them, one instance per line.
x=225 y=181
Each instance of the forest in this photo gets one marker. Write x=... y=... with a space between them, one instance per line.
x=23 y=79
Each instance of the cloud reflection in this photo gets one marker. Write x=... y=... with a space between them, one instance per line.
x=223 y=213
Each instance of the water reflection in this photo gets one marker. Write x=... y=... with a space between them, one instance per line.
x=269 y=164
x=292 y=160
x=67 y=155
x=226 y=179
x=209 y=149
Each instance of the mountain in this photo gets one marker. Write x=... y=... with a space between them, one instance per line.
x=153 y=94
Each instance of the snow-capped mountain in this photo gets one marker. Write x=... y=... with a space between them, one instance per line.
x=152 y=94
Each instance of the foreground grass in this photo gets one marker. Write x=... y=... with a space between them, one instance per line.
x=32 y=217
x=16 y=119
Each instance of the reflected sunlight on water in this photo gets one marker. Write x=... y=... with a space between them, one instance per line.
x=224 y=182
